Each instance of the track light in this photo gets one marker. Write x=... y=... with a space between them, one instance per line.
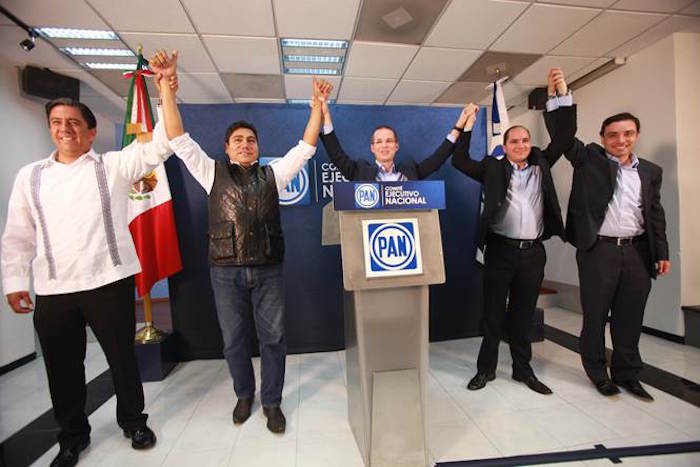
x=29 y=43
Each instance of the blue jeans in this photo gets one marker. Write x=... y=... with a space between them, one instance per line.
x=250 y=299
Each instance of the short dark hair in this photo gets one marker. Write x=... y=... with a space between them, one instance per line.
x=619 y=118
x=70 y=102
x=240 y=124
x=505 y=135
x=384 y=127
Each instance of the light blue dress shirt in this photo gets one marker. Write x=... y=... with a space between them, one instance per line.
x=521 y=214
x=623 y=217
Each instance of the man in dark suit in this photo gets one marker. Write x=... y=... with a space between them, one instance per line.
x=617 y=224
x=520 y=211
x=384 y=145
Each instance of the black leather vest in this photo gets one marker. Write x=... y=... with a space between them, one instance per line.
x=244 y=217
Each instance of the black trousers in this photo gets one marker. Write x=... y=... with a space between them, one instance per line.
x=613 y=280
x=515 y=275
x=60 y=324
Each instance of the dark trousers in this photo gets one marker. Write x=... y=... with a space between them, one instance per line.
x=60 y=324
x=515 y=275
x=250 y=299
x=613 y=280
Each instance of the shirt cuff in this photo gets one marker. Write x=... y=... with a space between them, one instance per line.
x=15 y=284
x=554 y=102
x=179 y=143
x=450 y=138
x=306 y=147
x=328 y=129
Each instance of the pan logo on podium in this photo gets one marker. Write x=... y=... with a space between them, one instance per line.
x=391 y=247
x=366 y=195
x=297 y=190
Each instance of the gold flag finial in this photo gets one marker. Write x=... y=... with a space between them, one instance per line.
x=139 y=49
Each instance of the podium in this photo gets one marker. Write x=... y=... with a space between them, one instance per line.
x=391 y=252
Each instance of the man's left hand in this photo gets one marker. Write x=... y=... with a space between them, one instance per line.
x=663 y=267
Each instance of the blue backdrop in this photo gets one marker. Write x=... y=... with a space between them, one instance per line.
x=313 y=279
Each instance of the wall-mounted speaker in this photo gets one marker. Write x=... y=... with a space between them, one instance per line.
x=537 y=100
x=42 y=82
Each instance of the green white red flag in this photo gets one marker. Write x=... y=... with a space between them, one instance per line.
x=151 y=218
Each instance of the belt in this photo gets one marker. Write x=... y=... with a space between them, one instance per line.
x=622 y=241
x=514 y=242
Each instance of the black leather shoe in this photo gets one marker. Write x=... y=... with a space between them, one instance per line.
x=480 y=380
x=533 y=383
x=143 y=438
x=68 y=456
x=635 y=388
x=607 y=388
x=276 y=422
x=242 y=410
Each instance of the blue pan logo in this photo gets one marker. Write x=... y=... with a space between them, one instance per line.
x=366 y=195
x=392 y=247
x=297 y=190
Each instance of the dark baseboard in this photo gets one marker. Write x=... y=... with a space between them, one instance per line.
x=17 y=363
x=663 y=335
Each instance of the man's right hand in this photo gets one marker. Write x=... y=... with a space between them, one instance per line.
x=468 y=116
x=556 y=82
x=20 y=302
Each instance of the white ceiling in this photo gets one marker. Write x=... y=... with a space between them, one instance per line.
x=230 y=52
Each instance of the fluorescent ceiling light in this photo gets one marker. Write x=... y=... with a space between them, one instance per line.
x=98 y=52
x=315 y=43
x=67 y=33
x=305 y=101
x=313 y=58
x=311 y=71
x=110 y=66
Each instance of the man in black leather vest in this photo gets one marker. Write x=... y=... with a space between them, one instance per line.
x=246 y=249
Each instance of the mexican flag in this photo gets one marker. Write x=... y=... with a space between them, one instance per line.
x=151 y=219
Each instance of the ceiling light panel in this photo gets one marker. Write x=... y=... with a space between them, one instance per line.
x=89 y=51
x=313 y=56
x=70 y=33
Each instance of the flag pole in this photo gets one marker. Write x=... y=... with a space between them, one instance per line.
x=149 y=334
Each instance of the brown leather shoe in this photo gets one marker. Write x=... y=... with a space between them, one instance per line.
x=242 y=410
x=276 y=422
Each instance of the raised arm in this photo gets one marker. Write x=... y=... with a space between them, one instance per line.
x=288 y=167
x=346 y=165
x=432 y=163
x=560 y=120
x=461 y=160
x=197 y=162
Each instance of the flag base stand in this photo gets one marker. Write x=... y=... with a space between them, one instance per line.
x=156 y=358
x=150 y=334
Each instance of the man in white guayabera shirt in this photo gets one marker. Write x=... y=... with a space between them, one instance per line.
x=67 y=229
x=246 y=250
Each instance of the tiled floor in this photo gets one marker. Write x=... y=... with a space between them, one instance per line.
x=191 y=411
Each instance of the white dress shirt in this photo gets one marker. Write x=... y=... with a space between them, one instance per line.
x=202 y=167
x=624 y=217
x=67 y=223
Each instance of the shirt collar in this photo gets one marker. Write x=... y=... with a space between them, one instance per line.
x=515 y=166
x=49 y=161
x=634 y=161
x=391 y=170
